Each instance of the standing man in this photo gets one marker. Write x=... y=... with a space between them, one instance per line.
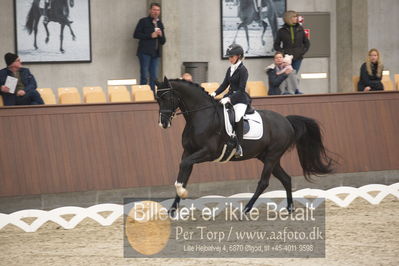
x=151 y=35
x=25 y=91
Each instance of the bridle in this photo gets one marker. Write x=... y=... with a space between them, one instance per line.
x=181 y=103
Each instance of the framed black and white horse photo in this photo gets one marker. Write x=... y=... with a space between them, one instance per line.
x=52 y=30
x=251 y=23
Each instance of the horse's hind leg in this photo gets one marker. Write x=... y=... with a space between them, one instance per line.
x=262 y=184
x=47 y=32
x=35 y=33
x=247 y=35
x=285 y=179
x=264 y=24
x=72 y=33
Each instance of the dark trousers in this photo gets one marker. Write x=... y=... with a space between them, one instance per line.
x=30 y=98
x=148 y=69
x=296 y=64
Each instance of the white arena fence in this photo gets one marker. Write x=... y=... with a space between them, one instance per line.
x=116 y=210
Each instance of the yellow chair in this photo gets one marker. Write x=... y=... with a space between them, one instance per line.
x=256 y=89
x=67 y=90
x=69 y=98
x=1 y=101
x=116 y=88
x=140 y=87
x=388 y=85
x=91 y=89
x=211 y=87
x=118 y=95
x=47 y=95
x=95 y=97
x=355 y=80
x=397 y=81
x=142 y=95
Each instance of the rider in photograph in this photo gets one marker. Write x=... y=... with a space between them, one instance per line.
x=236 y=77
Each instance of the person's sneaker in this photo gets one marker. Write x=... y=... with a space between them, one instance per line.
x=298 y=92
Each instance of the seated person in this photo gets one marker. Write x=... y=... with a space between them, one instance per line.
x=282 y=77
x=371 y=73
x=291 y=84
x=25 y=91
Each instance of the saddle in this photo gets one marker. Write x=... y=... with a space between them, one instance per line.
x=253 y=130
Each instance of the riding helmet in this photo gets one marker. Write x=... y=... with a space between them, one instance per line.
x=235 y=49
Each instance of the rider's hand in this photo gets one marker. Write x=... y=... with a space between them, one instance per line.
x=21 y=93
x=225 y=100
x=154 y=35
x=213 y=94
x=368 y=88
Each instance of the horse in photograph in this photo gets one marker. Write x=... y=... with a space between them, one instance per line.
x=204 y=138
x=57 y=12
x=249 y=12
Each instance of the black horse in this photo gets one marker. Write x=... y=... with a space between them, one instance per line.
x=57 y=12
x=204 y=137
x=249 y=12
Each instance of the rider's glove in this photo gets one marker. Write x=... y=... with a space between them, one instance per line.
x=225 y=100
x=213 y=94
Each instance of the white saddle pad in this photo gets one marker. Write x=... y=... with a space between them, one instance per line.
x=255 y=125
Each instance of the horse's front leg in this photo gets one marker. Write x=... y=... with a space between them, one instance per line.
x=62 y=38
x=186 y=167
x=238 y=29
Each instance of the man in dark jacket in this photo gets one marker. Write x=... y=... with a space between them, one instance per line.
x=25 y=91
x=293 y=39
x=151 y=35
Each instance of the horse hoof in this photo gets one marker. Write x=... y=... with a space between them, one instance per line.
x=247 y=209
x=184 y=194
x=172 y=212
x=290 y=209
x=47 y=40
x=62 y=50
x=73 y=38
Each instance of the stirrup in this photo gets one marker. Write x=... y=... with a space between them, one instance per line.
x=239 y=152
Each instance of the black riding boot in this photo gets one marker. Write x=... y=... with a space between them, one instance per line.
x=239 y=131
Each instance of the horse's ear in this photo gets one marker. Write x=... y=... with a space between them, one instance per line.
x=166 y=82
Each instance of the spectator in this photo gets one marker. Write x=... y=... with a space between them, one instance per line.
x=151 y=35
x=25 y=92
x=293 y=39
x=187 y=76
x=371 y=72
x=282 y=77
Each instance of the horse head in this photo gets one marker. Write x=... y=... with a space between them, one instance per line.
x=168 y=102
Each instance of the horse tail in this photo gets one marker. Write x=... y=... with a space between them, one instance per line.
x=311 y=151
x=33 y=16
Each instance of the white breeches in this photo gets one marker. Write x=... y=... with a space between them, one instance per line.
x=239 y=110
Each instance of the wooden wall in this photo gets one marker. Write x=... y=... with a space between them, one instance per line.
x=51 y=149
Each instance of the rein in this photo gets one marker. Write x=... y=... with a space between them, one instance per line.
x=182 y=112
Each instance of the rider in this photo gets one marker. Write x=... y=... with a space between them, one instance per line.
x=236 y=77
